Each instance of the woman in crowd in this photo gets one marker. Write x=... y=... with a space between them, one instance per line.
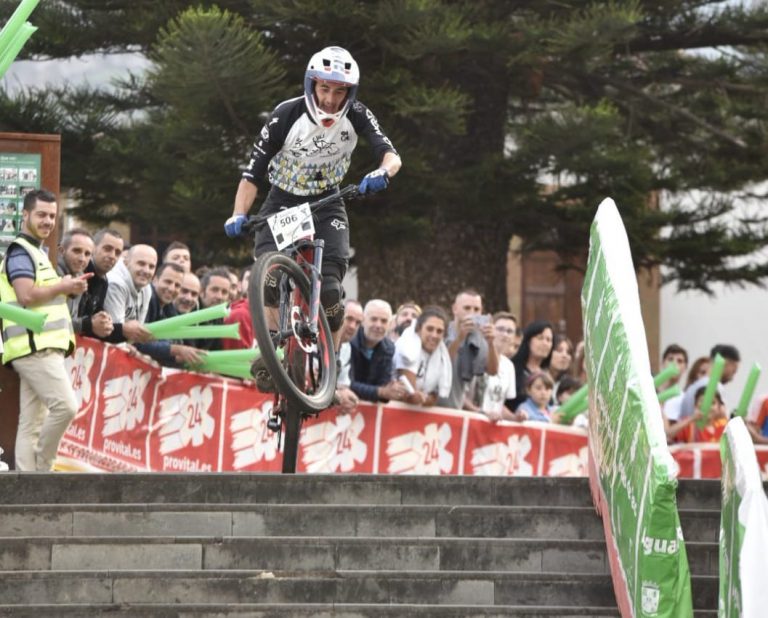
x=560 y=365
x=670 y=410
x=534 y=356
x=422 y=360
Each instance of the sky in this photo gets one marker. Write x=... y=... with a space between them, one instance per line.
x=95 y=69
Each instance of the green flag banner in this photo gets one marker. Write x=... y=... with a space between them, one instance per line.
x=632 y=473
x=743 y=527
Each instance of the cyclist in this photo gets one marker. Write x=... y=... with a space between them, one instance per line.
x=304 y=151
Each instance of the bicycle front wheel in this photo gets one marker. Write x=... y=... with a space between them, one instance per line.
x=301 y=362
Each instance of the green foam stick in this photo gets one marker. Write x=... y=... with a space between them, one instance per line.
x=160 y=328
x=12 y=26
x=709 y=394
x=670 y=371
x=672 y=391
x=250 y=354
x=575 y=405
x=216 y=331
x=9 y=52
x=242 y=372
x=31 y=320
x=749 y=390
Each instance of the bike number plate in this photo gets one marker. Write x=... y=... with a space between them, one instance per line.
x=290 y=225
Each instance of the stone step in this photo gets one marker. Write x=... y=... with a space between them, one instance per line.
x=370 y=587
x=319 y=610
x=227 y=488
x=319 y=554
x=401 y=587
x=232 y=488
x=301 y=553
x=324 y=520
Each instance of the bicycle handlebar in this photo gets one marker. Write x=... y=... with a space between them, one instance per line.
x=349 y=192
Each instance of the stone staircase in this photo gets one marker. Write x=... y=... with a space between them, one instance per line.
x=318 y=545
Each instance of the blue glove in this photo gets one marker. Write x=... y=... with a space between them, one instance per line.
x=234 y=225
x=376 y=181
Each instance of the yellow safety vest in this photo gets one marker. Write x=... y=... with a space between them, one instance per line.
x=57 y=331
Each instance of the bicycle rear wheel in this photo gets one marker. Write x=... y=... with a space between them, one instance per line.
x=306 y=373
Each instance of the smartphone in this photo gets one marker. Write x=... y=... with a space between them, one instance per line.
x=481 y=320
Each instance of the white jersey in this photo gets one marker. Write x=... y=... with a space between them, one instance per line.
x=500 y=387
x=303 y=158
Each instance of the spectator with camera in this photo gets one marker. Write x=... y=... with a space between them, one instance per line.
x=470 y=344
x=488 y=393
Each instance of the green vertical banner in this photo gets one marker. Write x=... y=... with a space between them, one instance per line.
x=743 y=528
x=632 y=473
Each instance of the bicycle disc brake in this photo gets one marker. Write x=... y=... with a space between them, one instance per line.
x=297 y=325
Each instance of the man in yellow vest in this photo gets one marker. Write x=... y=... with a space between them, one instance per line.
x=28 y=279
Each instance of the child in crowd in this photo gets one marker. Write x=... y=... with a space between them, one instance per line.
x=568 y=385
x=536 y=407
x=687 y=430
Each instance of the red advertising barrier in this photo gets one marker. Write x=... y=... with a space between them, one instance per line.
x=135 y=416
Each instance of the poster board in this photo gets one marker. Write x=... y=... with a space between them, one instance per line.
x=19 y=174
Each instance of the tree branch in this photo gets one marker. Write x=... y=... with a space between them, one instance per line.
x=724 y=135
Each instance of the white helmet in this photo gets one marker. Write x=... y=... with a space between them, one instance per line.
x=332 y=64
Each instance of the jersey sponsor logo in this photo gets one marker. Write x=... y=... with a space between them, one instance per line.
x=321 y=147
x=265 y=132
x=338 y=224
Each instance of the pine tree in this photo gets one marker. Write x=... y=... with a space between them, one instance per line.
x=511 y=119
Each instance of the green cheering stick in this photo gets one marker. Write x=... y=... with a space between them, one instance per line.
x=234 y=356
x=672 y=391
x=575 y=405
x=166 y=329
x=749 y=390
x=234 y=363
x=15 y=33
x=216 y=331
x=220 y=361
x=670 y=371
x=709 y=394
x=31 y=320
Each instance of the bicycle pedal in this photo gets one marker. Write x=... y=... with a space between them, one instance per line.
x=262 y=377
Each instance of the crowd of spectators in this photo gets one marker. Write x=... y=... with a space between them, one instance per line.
x=471 y=359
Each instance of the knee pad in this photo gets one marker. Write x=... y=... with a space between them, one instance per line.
x=332 y=293
x=331 y=296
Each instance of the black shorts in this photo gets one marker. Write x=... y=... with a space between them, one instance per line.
x=331 y=224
